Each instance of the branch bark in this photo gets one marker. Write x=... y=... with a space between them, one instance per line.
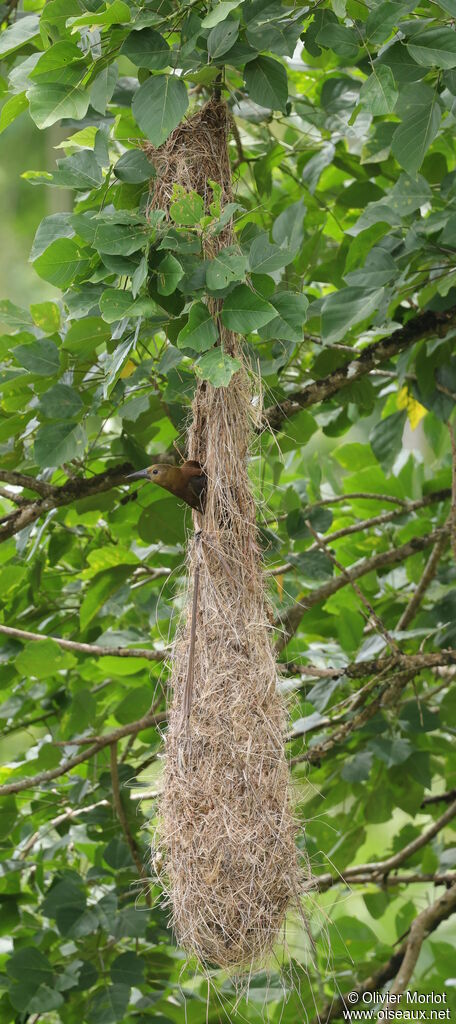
x=95 y=650
x=419 y=929
x=292 y=618
x=32 y=781
x=431 y=917
x=55 y=497
x=422 y=326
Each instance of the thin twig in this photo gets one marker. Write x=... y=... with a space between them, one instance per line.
x=430 y=570
x=121 y=814
x=323 y=545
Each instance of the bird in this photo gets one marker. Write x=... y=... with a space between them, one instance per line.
x=187 y=481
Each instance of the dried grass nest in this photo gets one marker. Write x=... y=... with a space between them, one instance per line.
x=226 y=827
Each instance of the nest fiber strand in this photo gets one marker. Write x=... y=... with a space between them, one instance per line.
x=227 y=827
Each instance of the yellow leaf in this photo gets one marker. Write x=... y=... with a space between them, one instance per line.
x=279 y=581
x=415 y=411
x=128 y=369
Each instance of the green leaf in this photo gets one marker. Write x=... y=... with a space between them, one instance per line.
x=357 y=768
x=200 y=333
x=169 y=274
x=187 y=209
x=84 y=336
x=227 y=266
x=339 y=38
x=100 y=589
x=30 y=969
x=434 y=47
x=128 y=969
x=56 y=443
x=61 y=402
x=46 y=315
x=217 y=367
x=421 y=116
x=266 y=83
x=80 y=171
x=341 y=310
x=41 y=357
x=8 y=816
x=13 y=315
x=51 y=101
x=222 y=37
x=386 y=438
x=113 y=14
x=245 y=311
x=147 y=49
x=116 y=304
x=133 y=167
x=20 y=32
x=11 y=109
x=120 y=239
x=219 y=13
x=265 y=258
x=42 y=658
x=109 y=1005
x=61 y=262
x=288 y=325
x=379 y=94
x=159 y=106
x=57 y=225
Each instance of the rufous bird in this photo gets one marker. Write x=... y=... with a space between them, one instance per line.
x=187 y=482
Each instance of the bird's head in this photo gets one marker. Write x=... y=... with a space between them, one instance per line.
x=158 y=474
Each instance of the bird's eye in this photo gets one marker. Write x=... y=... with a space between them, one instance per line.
x=155 y=472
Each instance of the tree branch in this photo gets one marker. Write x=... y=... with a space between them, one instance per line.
x=384 y=867
x=351 y=876
x=375 y=666
x=419 y=327
x=292 y=618
x=366 y=524
x=95 y=650
x=55 y=497
x=429 y=918
x=32 y=781
x=439 y=798
x=433 y=916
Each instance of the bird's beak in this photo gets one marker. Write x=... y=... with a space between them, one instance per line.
x=142 y=474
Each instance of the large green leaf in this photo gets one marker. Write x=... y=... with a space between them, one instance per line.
x=343 y=309
x=421 y=116
x=61 y=262
x=159 y=106
x=266 y=83
x=435 y=46
x=245 y=311
x=200 y=333
x=217 y=367
x=20 y=32
x=41 y=357
x=56 y=443
x=147 y=49
x=51 y=101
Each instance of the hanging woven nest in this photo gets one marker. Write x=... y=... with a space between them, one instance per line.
x=226 y=825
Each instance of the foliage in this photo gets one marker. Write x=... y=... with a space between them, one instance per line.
x=344 y=162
